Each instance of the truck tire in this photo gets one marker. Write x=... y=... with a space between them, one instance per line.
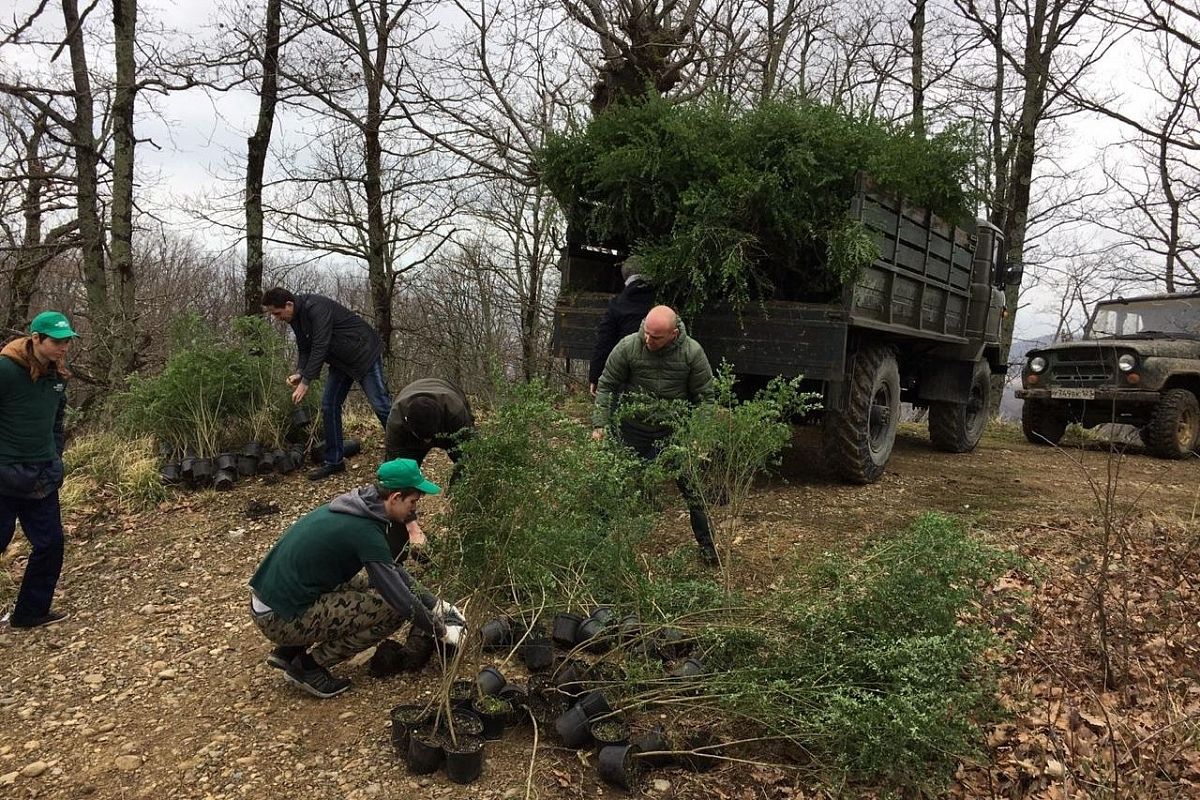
x=958 y=427
x=858 y=441
x=1040 y=424
x=1174 y=425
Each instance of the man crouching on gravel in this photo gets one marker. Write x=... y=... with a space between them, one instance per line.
x=309 y=591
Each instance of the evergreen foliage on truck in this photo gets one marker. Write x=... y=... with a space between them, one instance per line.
x=728 y=205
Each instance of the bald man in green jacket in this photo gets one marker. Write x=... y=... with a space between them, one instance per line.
x=660 y=361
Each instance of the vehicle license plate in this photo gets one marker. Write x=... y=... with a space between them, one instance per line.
x=1073 y=394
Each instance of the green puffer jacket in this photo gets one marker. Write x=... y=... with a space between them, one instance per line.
x=679 y=371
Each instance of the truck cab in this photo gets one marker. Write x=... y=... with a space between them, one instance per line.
x=1138 y=364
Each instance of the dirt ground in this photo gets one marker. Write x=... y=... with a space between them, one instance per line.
x=156 y=686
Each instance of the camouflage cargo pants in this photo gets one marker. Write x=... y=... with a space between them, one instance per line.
x=342 y=623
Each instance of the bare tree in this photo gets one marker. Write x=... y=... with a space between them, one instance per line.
x=257 y=146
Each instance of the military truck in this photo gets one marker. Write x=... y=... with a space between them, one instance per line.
x=921 y=324
x=1137 y=364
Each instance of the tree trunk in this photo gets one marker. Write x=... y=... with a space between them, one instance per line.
x=378 y=268
x=124 y=310
x=91 y=230
x=29 y=261
x=256 y=159
x=917 y=24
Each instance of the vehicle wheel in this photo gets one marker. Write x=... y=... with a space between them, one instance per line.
x=1040 y=423
x=958 y=427
x=858 y=441
x=1174 y=425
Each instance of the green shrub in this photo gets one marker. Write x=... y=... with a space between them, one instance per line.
x=869 y=664
x=724 y=205
x=541 y=515
x=215 y=391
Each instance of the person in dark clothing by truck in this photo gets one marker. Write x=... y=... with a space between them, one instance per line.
x=428 y=413
x=328 y=332
x=33 y=402
x=624 y=314
x=310 y=590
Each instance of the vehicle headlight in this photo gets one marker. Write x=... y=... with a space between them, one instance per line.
x=1127 y=362
x=1037 y=364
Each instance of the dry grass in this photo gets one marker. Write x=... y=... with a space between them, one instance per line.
x=107 y=466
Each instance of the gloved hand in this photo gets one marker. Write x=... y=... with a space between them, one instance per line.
x=454 y=635
x=450 y=614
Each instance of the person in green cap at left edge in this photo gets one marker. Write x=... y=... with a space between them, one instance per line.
x=310 y=597
x=33 y=402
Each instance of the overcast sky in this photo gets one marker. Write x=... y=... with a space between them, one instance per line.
x=199 y=137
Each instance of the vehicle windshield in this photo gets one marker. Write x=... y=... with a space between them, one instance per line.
x=1169 y=316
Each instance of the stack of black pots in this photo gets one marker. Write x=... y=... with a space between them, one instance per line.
x=428 y=743
x=222 y=473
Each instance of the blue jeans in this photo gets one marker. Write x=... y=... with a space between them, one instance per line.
x=337 y=386
x=41 y=521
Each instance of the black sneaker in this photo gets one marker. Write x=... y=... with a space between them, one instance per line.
x=38 y=622
x=325 y=470
x=281 y=657
x=318 y=682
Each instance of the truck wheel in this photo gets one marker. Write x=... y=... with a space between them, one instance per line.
x=958 y=427
x=1040 y=424
x=1174 y=425
x=858 y=441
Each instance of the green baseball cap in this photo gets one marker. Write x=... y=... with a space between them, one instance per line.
x=404 y=473
x=52 y=324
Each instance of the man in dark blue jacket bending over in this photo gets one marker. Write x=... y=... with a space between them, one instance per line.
x=623 y=316
x=328 y=332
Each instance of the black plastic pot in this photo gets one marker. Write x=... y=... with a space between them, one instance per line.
x=425 y=752
x=497 y=634
x=688 y=668
x=490 y=680
x=247 y=466
x=594 y=704
x=461 y=693
x=301 y=417
x=466 y=723
x=170 y=474
x=253 y=450
x=202 y=472
x=187 y=468
x=418 y=649
x=540 y=684
x=546 y=708
x=610 y=731
x=464 y=758
x=388 y=659
x=671 y=644
x=406 y=719
x=227 y=461
x=654 y=746
x=629 y=629
x=266 y=464
x=516 y=696
x=565 y=630
x=351 y=447
x=592 y=631
x=495 y=713
x=573 y=728
x=538 y=654
x=299 y=454
x=620 y=766
x=283 y=461
x=225 y=479
x=569 y=678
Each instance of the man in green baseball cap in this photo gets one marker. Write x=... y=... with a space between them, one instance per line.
x=33 y=403
x=53 y=324
x=310 y=597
